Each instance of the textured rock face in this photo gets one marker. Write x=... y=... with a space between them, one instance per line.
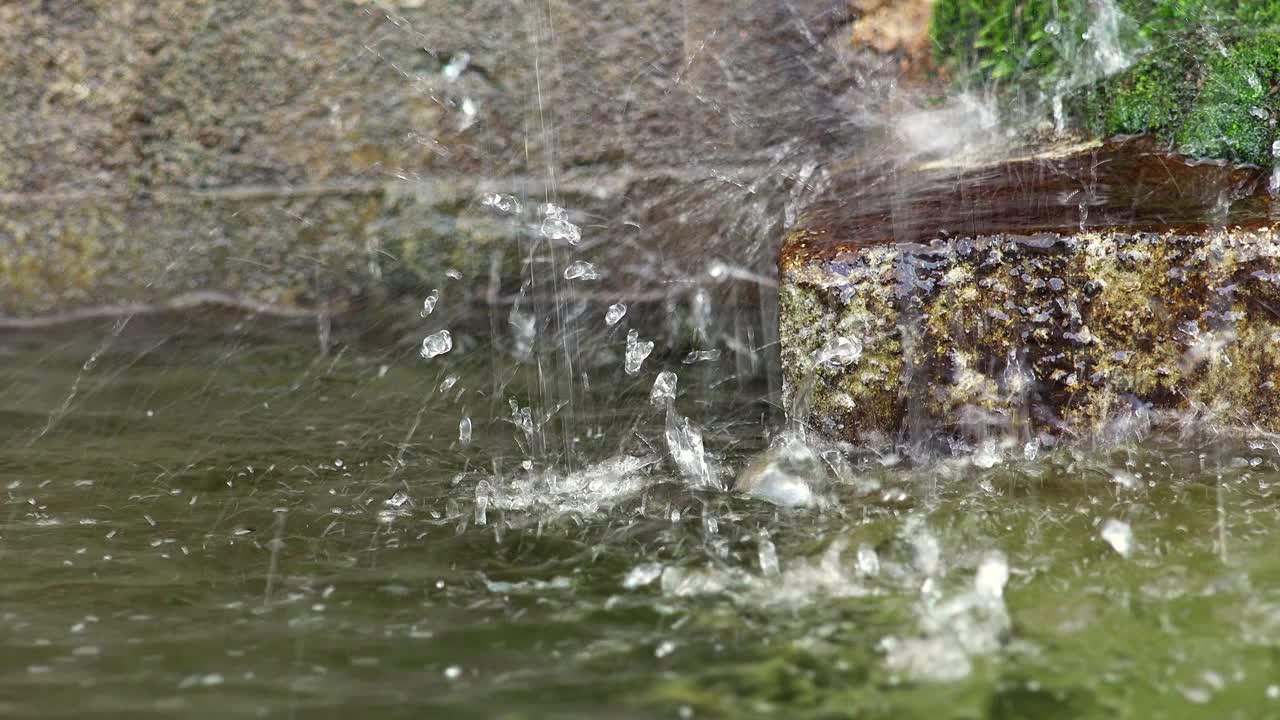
x=965 y=323
x=309 y=150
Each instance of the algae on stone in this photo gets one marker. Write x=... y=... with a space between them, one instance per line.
x=1056 y=334
x=1200 y=74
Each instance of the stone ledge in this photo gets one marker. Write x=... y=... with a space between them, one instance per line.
x=970 y=322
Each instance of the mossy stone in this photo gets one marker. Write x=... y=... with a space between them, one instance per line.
x=1235 y=115
x=1205 y=78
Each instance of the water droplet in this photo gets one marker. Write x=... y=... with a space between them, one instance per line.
x=637 y=351
x=464 y=431
x=1118 y=535
x=398 y=499
x=664 y=388
x=868 y=562
x=642 y=575
x=1275 y=171
x=1052 y=27
x=556 y=225
x=1197 y=695
x=993 y=575
x=484 y=492
x=614 y=314
x=429 y=303
x=453 y=672
x=1125 y=479
x=839 y=351
x=665 y=648
x=522 y=418
x=448 y=383
x=581 y=270
x=767 y=554
x=988 y=455
x=684 y=440
x=501 y=203
x=698 y=356
x=456 y=66
x=436 y=344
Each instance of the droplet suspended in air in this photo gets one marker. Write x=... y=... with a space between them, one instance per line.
x=615 y=313
x=556 y=225
x=1119 y=536
x=581 y=270
x=637 y=351
x=436 y=344
x=839 y=351
x=457 y=65
x=698 y=356
x=464 y=431
x=501 y=203
x=767 y=555
x=664 y=388
x=429 y=303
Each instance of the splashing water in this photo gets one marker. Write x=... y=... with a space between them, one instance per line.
x=556 y=225
x=570 y=517
x=664 y=389
x=457 y=65
x=581 y=270
x=767 y=554
x=637 y=351
x=839 y=351
x=699 y=356
x=1118 y=535
x=429 y=303
x=464 y=431
x=615 y=313
x=1274 y=187
x=436 y=344
x=502 y=203
x=684 y=442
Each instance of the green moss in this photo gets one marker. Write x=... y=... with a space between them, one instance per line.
x=1234 y=115
x=1146 y=97
x=1206 y=80
x=981 y=40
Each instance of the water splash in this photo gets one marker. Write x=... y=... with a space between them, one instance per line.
x=429 y=303
x=581 y=270
x=436 y=344
x=637 y=351
x=664 y=389
x=502 y=203
x=556 y=225
x=1118 y=535
x=615 y=313
x=684 y=442
x=699 y=356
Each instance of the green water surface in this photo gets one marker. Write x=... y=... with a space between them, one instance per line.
x=196 y=523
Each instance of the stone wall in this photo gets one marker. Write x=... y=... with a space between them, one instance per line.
x=309 y=151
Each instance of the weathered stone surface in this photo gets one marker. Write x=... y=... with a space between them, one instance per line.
x=1037 y=296
x=324 y=150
